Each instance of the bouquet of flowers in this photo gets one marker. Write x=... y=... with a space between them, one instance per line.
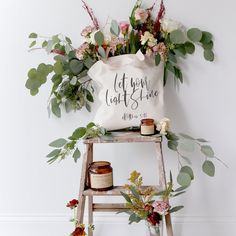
x=142 y=206
x=151 y=33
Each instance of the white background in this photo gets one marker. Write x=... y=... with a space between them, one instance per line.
x=33 y=194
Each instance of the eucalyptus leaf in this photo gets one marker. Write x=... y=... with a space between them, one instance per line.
x=172 y=145
x=76 y=66
x=186 y=136
x=33 y=43
x=187 y=160
x=55 y=107
x=208 y=46
x=76 y=154
x=134 y=192
x=99 y=38
x=208 y=168
x=172 y=57
x=157 y=59
x=177 y=37
x=187 y=146
x=189 y=47
x=34 y=92
x=33 y=36
x=102 y=52
x=54 y=152
x=134 y=218
x=58 y=68
x=177 y=208
x=202 y=140
x=172 y=136
x=209 y=55
x=188 y=170
x=206 y=37
x=115 y=29
x=90 y=125
x=68 y=40
x=58 y=143
x=184 y=179
x=79 y=133
x=126 y=196
x=194 y=34
x=207 y=151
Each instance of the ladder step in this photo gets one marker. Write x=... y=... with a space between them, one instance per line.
x=109 y=207
x=114 y=192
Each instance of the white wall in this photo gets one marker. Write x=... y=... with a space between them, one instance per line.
x=33 y=194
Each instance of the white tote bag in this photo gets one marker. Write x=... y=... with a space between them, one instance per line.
x=130 y=88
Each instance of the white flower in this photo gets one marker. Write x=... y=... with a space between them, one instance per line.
x=148 y=37
x=141 y=15
x=163 y=126
x=90 y=39
x=168 y=25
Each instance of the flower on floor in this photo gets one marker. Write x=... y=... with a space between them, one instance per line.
x=72 y=204
x=79 y=229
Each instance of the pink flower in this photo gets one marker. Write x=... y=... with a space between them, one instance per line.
x=161 y=207
x=82 y=50
x=141 y=15
x=88 y=30
x=161 y=49
x=124 y=27
x=114 y=43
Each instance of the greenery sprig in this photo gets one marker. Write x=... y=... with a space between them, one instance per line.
x=71 y=88
x=65 y=147
x=184 y=143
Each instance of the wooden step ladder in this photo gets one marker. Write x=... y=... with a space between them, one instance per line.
x=116 y=137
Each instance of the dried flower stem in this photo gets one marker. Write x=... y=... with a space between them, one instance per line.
x=91 y=14
x=160 y=15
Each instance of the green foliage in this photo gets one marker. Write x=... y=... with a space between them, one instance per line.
x=139 y=199
x=157 y=59
x=194 y=34
x=66 y=147
x=177 y=37
x=185 y=143
x=99 y=38
x=115 y=29
x=208 y=168
x=69 y=89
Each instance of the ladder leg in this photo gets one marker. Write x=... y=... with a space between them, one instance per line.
x=163 y=185
x=90 y=198
x=81 y=206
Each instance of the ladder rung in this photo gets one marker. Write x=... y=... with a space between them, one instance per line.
x=109 y=207
x=114 y=192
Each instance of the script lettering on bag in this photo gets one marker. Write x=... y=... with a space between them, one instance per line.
x=130 y=91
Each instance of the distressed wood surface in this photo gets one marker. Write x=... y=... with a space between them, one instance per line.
x=109 y=207
x=84 y=173
x=115 y=191
x=163 y=185
x=125 y=137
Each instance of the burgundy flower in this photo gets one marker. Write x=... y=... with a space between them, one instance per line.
x=79 y=231
x=72 y=204
x=154 y=218
x=148 y=208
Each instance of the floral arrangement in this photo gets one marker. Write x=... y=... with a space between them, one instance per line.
x=79 y=228
x=141 y=204
x=149 y=32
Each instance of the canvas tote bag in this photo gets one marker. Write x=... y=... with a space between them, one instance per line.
x=130 y=88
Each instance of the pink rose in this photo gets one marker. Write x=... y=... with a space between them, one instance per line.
x=124 y=27
x=141 y=15
x=161 y=207
x=86 y=31
x=80 y=52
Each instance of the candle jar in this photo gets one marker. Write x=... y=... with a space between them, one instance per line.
x=147 y=127
x=100 y=176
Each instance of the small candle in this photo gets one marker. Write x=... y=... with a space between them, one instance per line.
x=147 y=127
